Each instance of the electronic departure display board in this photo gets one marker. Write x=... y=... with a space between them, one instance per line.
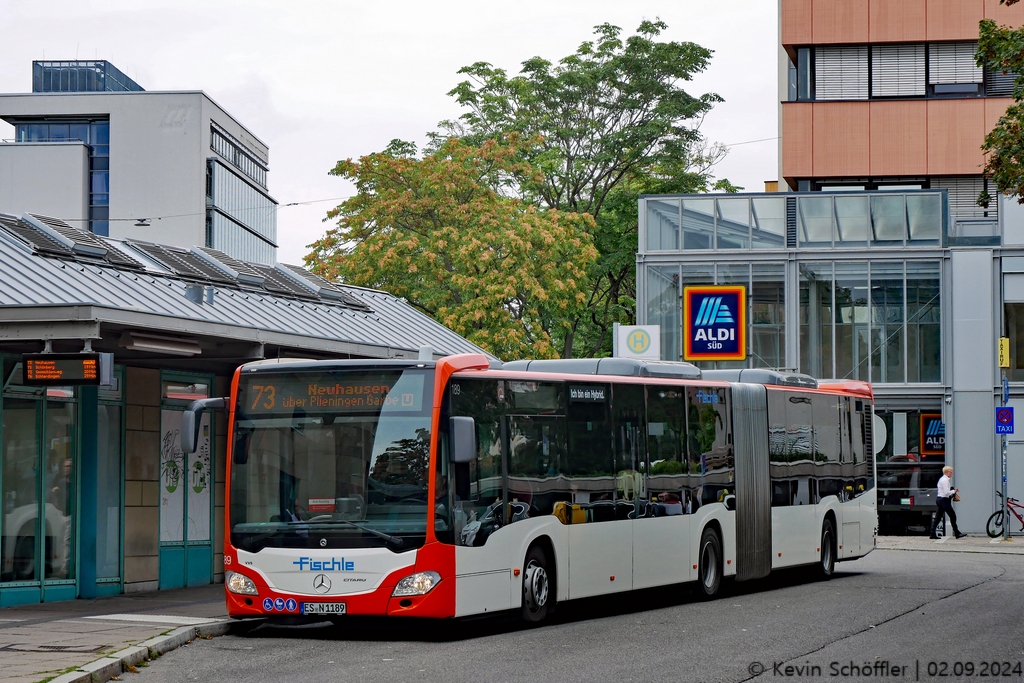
x=332 y=393
x=61 y=369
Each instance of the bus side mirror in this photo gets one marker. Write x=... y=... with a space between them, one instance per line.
x=463 y=439
x=730 y=502
x=193 y=417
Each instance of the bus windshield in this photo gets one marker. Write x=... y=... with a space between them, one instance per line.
x=332 y=458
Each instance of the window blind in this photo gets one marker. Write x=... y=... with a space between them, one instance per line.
x=897 y=70
x=953 y=63
x=963 y=194
x=841 y=73
x=999 y=84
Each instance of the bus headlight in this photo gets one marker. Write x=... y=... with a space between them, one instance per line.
x=240 y=583
x=420 y=583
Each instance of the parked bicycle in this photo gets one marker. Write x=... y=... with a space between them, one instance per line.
x=994 y=527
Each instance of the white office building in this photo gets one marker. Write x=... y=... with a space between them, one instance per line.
x=95 y=150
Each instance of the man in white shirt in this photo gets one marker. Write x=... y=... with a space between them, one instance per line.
x=944 y=501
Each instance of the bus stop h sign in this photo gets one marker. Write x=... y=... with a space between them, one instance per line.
x=1004 y=420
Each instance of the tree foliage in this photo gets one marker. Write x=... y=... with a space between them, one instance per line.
x=1001 y=48
x=612 y=121
x=442 y=231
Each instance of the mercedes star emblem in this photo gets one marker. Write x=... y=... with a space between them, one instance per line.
x=321 y=583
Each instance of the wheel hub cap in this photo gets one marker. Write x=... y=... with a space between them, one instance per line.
x=535 y=587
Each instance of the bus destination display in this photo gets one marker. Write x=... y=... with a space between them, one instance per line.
x=320 y=394
x=61 y=369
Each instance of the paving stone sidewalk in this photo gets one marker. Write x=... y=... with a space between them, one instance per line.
x=970 y=544
x=44 y=641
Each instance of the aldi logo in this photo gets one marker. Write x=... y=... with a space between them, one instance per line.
x=715 y=323
x=933 y=434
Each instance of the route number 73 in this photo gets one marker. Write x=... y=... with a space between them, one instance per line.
x=266 y=393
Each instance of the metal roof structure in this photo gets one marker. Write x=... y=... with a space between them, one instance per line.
x=61 y=283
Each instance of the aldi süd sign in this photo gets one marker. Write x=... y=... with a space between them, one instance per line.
x=933 y=434
x=715 y=322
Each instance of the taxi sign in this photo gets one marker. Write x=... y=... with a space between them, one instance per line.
x=1004 y=420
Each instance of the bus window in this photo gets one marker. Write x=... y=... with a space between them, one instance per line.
x=591 y=468
x=536 y=464
x=628 y=415
x=668 y=479
x=780 y=447
x=709 y=442
x=475 y=489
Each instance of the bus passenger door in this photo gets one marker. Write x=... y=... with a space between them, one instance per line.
x=661 y=532
x=605 y=491
x=478 y=501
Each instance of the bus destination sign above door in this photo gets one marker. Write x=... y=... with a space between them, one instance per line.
x=61 y=369
x=715 y=323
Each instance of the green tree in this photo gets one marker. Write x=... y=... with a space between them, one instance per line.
x=612 y=121
x=441 y=231
x=1001 y=48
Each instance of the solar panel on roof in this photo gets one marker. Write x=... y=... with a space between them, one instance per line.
x=281 y=284
x=321 y=283
x=181 y=262
x=40 y=241
x=93 y=245
x=246 y=273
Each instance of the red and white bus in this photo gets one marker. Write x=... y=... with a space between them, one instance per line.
x=452 y=488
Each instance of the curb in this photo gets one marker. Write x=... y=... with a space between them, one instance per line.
x=116 y=663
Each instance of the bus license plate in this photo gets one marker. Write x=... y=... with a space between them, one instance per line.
x=323 y=608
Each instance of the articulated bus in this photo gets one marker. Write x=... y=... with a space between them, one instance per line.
x=452 y=488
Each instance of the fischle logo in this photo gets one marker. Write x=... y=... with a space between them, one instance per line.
x=713 y=312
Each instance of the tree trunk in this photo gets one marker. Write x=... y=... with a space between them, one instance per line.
x=567 y=349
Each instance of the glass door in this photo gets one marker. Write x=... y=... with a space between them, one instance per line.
x=37 y=482
x=19 y=563
x=186 y=484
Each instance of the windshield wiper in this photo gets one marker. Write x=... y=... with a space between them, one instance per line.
x=394 y=540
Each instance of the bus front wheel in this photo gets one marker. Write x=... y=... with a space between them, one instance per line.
x=709 y=567
x=536 y=586
x=827 y=562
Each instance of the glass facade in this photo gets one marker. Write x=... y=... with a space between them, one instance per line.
x=241 y=220
x=234 y=152
x=80 y=76
x=96 y=134
x=857 y=273
x=848 y=220
x=887 y=323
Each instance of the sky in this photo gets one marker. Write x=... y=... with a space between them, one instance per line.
x=324 y=81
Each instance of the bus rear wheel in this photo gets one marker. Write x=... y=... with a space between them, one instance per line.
x=827 y=561
x=536 y=586
x=709 y=565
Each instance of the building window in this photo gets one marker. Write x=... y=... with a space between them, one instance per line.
x=768 y=315
x=841 y=73
x=95 y=134
x=886 y=325
x=897 y=70
x=663 y=308
x=235 y=153
x=662 y=224
x=952 y=68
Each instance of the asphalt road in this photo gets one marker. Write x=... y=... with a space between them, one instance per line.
x=933 y=613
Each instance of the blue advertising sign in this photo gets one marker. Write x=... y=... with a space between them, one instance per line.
x=715 y=322
x=1004 y=420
